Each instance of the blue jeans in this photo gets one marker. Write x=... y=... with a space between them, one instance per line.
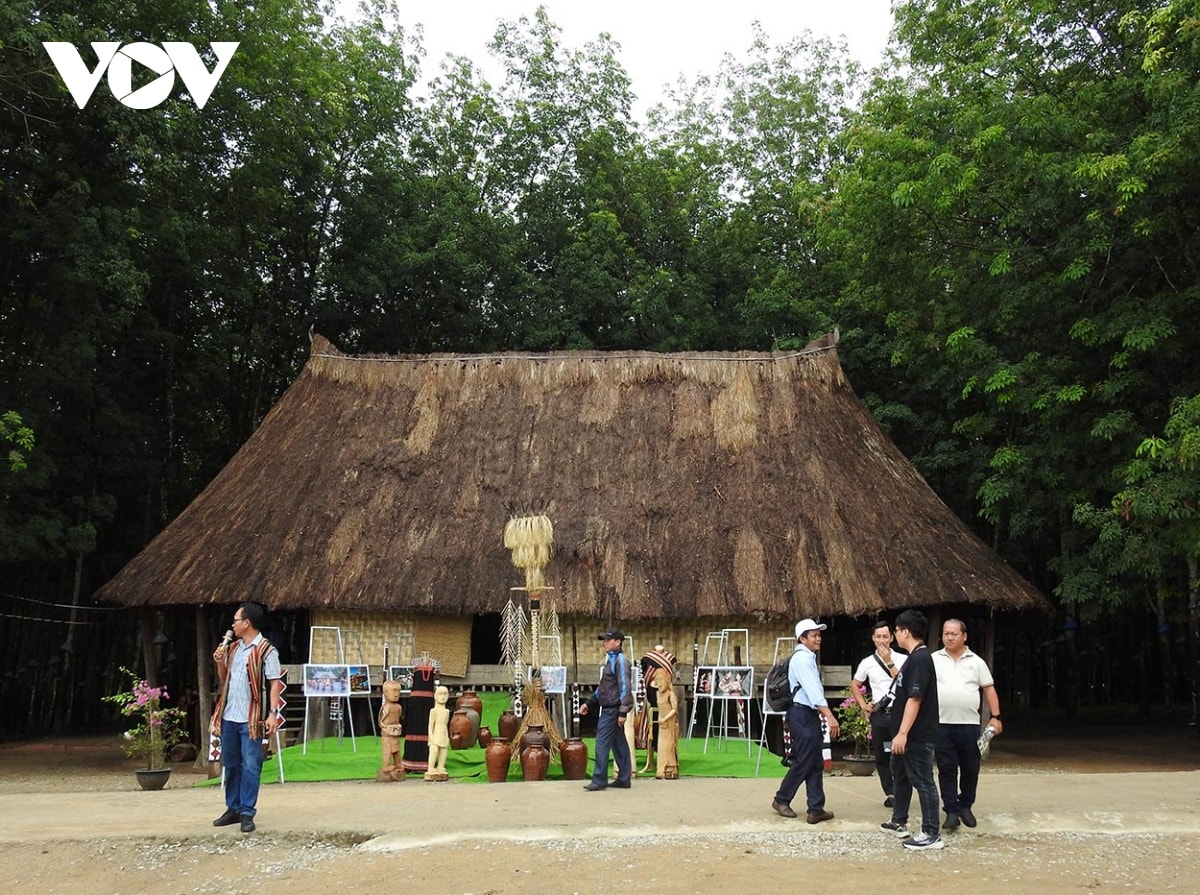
x=610 y=737
x=914 y=770
x=958 y=765
x=242 y=759
x=808 y=765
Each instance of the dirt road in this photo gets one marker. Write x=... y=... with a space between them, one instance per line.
x=1082 y=815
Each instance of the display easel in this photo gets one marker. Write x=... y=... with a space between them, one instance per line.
x=551 y=654
x=350 y=635
x=720 y=655
x=714 y=648
x=783 y=645
x=337 y=708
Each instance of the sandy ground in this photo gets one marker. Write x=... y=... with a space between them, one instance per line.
x=1097 y=811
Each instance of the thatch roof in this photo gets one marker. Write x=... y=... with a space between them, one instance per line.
x=679 y=485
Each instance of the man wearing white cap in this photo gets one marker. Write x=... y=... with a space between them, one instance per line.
x=804 y=723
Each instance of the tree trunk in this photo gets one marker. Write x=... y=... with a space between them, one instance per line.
x=1194 y=635
x=204 y=686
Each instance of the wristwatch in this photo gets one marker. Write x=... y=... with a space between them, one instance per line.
x=996 y=718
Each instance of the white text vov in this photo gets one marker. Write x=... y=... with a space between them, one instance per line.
x=173 y=57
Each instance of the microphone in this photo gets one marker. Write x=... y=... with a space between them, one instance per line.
x=227 y=639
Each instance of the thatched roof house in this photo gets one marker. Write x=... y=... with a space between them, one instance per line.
x=681 y=486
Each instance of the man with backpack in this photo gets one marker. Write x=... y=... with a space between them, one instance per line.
x=804 y=715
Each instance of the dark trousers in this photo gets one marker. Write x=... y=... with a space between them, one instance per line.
x=958 y=765
x=242 y=759
x=808 y=767
x=610 y=737
x=914 y=770
x=881 y=738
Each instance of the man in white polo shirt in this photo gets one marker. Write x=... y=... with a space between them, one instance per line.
x=962 y=678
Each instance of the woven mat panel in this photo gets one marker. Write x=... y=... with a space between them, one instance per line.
x=445 y=637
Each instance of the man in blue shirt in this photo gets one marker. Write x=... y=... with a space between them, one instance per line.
x=614 y=698
x=804 y=723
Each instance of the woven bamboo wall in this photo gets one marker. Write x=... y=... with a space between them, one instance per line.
x=446 y=638
x=678 y=636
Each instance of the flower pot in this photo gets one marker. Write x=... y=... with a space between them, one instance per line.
x=860 y=765
x=152 y=779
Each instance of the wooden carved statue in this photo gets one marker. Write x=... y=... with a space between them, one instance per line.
x=668 y=727
x=390 y=731
x=439 y=735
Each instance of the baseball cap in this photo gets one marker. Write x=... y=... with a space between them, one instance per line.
x=805 y=625
x=611 y=634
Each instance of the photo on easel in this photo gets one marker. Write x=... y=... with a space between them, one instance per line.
x=326 y=680
x=725 y=681
x=360 y=680
x=554 y=679
x=403 y=674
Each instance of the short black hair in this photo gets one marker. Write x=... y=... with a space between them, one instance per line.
x=914 y=622
x=882 y=623
x=254 y=614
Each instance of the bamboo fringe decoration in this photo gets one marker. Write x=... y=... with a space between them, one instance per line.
x=512 y=635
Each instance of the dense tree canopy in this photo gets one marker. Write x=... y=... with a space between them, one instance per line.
x=1004 y=223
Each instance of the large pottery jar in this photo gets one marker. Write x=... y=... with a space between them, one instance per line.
x=574 y=755
x=460 y=729
x=534 y=760
x=469 y=699
x=509 y=724
x=484 y=737
x=498 y=756
x=535 y=735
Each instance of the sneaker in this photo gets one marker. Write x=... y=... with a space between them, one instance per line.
x=889 y=802
x=890 y=826
x=922 y=841
x=952 y=822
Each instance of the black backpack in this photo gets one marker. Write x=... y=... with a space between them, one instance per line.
x=779 y=692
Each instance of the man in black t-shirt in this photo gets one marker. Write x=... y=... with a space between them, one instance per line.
x=915 y=731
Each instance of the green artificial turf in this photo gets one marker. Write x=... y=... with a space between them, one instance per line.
x=359 y=758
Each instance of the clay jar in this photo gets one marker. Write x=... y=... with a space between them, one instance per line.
x=535 y=758
x=460 y=729
x=509 y=724
x=535 y=735
x=484 y=737
x=497 y=758
x=469 y=699
x=574 y=755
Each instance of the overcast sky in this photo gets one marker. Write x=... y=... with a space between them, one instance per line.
x=660 y=39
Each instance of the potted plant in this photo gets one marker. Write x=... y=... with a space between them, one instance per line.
x=855 y=727
x=156 y=728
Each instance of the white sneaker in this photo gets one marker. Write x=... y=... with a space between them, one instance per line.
x=922 y=841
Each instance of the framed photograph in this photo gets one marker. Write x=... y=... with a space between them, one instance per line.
x=725 y=681
x=360 y=680
x=554 y=679
x=327 y=680
x=403 y=674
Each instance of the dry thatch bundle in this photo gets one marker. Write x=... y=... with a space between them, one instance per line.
x=681 y=486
